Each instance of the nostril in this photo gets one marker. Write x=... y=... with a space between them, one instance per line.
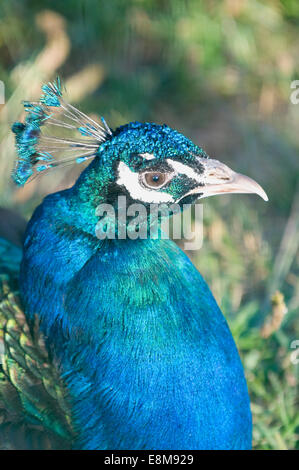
x=219 y=176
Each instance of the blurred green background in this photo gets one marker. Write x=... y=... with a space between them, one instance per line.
x=220 y=72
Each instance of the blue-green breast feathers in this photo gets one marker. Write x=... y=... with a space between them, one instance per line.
x=147 y=354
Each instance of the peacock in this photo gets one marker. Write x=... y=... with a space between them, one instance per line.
x=110 y=339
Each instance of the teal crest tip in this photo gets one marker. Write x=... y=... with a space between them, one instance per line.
x=39 y=145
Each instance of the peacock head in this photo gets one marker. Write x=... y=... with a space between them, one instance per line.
x=145 y=162
x=156 y=164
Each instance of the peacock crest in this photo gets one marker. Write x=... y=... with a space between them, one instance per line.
x=39 y=142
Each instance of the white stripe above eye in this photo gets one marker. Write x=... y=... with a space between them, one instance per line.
x=185 y=170
x=130 y=180
x=147 y=156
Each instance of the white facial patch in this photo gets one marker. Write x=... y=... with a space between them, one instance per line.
x=181 y=168
x=130 y=180
x=147 y=156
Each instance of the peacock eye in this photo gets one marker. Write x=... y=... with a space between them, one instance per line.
x=154 y=179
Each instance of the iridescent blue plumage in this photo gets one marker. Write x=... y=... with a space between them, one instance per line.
x=147 y=354
x=148 y=358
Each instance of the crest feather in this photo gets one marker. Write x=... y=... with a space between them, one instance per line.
x=40 y=141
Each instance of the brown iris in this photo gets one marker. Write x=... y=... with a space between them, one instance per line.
x=154 y=179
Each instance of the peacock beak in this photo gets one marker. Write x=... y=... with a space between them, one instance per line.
x=220 y=179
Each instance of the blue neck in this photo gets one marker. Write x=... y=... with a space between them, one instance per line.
x=146 y=353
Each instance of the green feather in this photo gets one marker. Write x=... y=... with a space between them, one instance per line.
x=34 y=408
